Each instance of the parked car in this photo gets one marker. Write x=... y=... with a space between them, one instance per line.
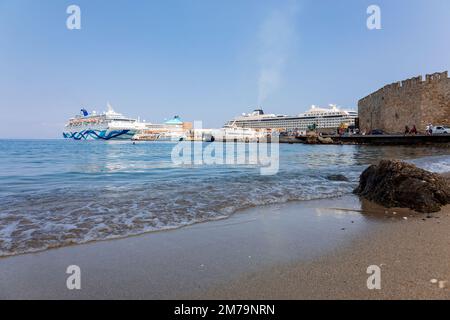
x=441 y=130
x=376 y=132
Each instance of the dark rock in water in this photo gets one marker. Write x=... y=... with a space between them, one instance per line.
x=337 y=177
x=395 y=183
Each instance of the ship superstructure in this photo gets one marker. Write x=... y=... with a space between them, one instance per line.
x=322 y=118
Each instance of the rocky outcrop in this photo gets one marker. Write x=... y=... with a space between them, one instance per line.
x=325 y=140
x=394 y=183
x=314 y=138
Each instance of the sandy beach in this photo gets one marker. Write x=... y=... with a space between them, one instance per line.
x=414 y=257
x=260 y=253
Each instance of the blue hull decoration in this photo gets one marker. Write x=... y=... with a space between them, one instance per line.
x=86 y=134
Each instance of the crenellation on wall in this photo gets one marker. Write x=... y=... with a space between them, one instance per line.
x=437 y=76
x=413 y=82
x=409 y=102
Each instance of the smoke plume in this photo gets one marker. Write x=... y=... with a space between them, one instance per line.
x=277 y=38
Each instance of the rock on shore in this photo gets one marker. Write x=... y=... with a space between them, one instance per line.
x=394 y=183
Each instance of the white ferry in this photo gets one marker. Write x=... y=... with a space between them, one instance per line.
x=108 y=125
x=172 y=130
x=321 y=118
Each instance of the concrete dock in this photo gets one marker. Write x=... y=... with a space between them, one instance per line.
x=394 y=139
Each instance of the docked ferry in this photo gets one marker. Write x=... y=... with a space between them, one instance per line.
x=174 y=129
x=108 y=125
x=321 y=118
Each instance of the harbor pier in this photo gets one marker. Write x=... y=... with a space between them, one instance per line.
x=393 y=139
x=378 y=139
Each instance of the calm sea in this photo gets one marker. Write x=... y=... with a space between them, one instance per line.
x=60 y=192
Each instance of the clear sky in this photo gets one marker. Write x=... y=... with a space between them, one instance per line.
x=206 y=60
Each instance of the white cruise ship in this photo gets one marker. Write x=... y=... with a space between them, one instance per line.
x=321 y=118
x=108 y=125
x=172 y=130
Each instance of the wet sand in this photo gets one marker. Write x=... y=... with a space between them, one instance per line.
x=310 y=249
x=414 y=257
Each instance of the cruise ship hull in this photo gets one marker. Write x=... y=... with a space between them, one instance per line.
x=125 y=134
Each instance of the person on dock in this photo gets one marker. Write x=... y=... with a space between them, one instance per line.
x=406 y=130
x=413 y=130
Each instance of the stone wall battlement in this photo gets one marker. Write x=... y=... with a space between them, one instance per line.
x=410 y=84
x=415 y=101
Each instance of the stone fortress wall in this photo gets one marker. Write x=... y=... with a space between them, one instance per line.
x=410 y=102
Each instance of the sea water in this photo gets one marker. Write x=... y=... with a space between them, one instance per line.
x=61 y=192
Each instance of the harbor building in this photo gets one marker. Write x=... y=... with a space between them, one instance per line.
x=415 y=101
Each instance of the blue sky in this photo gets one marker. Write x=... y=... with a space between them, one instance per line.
x=206 y=60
